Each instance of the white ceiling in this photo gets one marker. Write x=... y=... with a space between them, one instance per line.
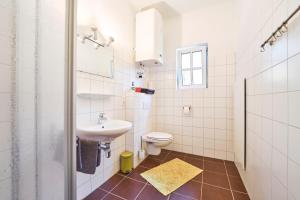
x=172 y=7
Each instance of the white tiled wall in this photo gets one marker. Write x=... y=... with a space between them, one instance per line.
x=273 y=134
x=6 y=67
x=88 y=111
x=138 y=111
x=208 y=131
x=113 y=18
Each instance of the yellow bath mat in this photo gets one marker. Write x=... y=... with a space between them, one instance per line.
x=169 y=176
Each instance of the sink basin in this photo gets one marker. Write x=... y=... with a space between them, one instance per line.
x=107 y=131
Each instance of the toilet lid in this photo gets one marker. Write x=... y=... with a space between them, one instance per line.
x=159 y=136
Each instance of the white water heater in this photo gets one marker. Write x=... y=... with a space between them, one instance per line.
x=149 y=38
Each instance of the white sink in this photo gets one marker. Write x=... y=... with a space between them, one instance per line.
x=107 y=131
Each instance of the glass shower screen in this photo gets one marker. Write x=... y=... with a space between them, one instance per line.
x=33 y=53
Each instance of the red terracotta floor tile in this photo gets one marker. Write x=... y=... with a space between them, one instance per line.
x=191 y=189
x=194 y=156
x=161 y=156
x=122 y=174
x=232 y=170
x=150 y=163
x=97 y=194
x=213 y=181
x=216 y=179
x=172 y=156
x=214 y=193
x=135 y=174
x=150 y=193
x=214 y=167
x=112 y=182
x=213 y=160
x=196 y=162
x=128 y=189
x=166 y=151
x=228 y=163
x=198 y=178
x=175 y=196
x=178 y=153
x=112 y=197
x=237 y=184
x=240 y=196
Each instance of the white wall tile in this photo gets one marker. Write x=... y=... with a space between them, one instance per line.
x=267 y=103
x=220 y=134
x=266 y=153
x=280 y=77
x=267 y=130
x=220 y=92
x=293 y=179
x=209 y=153
x=187 y=140
x=221 y=154
x=209 y=133
x=293 y=72
x=266 y=82
x=220 y=112
x=279 y=166
x=187 y=149
x=209 y=143
x=279 y=191
x=280 y=137
x=280 y=107
x=220 y=124
x=294 y=147
x=281 y=59
x=187 y=131
x=294 y=108
x=220 y=145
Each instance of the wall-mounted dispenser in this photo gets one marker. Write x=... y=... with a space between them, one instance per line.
x=149 y=38
x=140 y=71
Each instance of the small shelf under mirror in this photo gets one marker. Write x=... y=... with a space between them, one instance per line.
x=94 y=95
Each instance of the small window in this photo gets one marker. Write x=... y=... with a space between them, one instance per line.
x=192 y=67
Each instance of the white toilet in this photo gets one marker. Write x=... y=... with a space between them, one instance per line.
x=155 y=141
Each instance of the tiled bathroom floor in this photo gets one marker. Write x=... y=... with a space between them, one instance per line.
x=220 y=180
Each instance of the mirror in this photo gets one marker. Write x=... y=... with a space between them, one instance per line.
x=94 y=59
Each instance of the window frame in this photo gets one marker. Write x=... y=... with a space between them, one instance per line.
x=203 y=47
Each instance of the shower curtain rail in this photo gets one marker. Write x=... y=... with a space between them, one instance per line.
x=279 y=31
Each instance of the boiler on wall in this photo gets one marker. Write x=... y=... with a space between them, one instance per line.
x=149 y=38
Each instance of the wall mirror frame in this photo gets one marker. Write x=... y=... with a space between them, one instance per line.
x=94 y=56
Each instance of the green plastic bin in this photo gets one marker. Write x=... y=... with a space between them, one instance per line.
x=126 y=162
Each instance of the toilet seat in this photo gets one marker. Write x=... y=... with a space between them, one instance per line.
x=155 y=141
x=158 y=136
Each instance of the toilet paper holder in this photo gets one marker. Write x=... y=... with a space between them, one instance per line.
x=189 y=107
x=186 y=110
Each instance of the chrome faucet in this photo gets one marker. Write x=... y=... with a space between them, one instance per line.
x=101 y=118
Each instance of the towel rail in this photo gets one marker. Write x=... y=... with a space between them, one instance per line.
x=279 y=31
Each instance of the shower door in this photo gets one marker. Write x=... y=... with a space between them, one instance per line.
x=37 y=159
